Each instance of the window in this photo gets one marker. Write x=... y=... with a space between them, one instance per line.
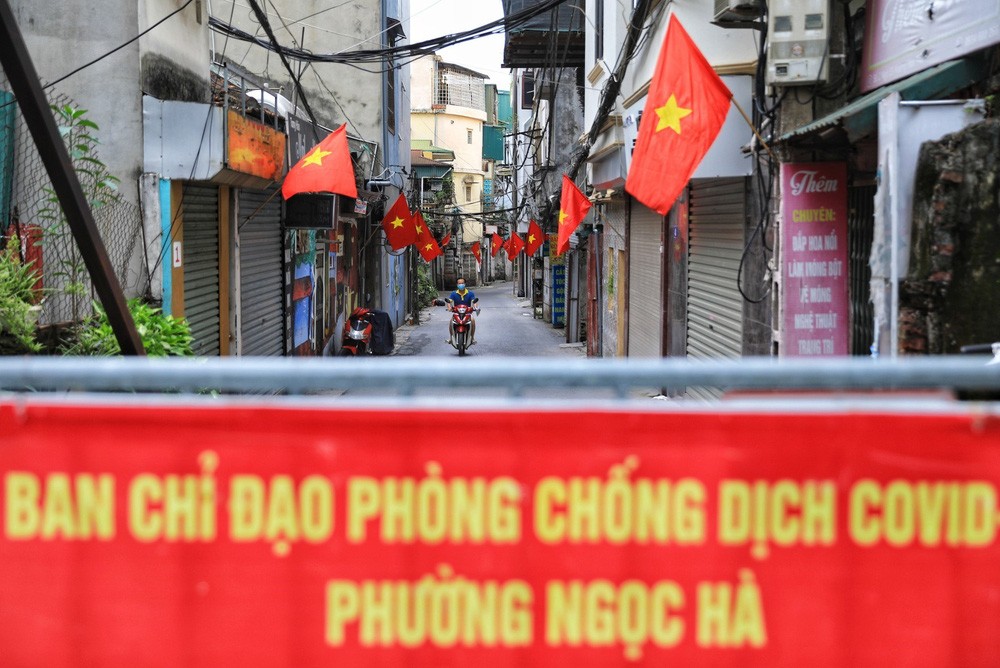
x=469 y=135
x=598 y=29
x=390 y=98
x=527 y=90
x=468 y=193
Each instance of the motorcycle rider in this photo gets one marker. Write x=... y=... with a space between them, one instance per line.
x=462 y=295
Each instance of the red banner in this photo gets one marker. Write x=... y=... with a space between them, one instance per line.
x=262 y=536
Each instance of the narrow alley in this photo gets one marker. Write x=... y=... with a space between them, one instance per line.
x=505 y=327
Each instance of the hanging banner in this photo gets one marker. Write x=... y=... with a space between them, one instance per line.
x=251 y=535
x=903 y=37
x=814 y=299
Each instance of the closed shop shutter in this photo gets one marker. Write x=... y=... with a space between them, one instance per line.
x=261 y=270
x=714 y=305
x=201 y=266
x=645 y=280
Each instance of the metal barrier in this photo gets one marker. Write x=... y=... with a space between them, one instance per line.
x=404 y=377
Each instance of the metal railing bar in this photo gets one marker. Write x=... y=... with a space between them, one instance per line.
x=312 y=375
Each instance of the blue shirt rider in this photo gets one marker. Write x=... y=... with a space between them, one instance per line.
x=463 y=295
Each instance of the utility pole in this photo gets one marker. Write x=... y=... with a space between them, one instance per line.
x=16 y=62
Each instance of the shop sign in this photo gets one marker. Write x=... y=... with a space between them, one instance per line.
x=903 y=37
x=254 y=148
x=814 y=299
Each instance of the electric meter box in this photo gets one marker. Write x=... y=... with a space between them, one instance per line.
x=798 y=34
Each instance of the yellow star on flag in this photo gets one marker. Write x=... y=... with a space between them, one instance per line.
x=562 y=217
x=531 y=238
x=428 y=246
x=315 y=157
x=670 y=115
x=398 y=222
x=420 y=230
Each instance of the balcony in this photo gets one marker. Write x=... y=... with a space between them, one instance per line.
x=554 y=38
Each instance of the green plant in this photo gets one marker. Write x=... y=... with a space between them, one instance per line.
x=99 y=186
x=426 y=292
x=18 y=312
x=162 y=335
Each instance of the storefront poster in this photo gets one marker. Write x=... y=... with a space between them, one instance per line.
x=814 y=297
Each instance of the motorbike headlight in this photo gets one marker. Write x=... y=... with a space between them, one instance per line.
x=356 y=334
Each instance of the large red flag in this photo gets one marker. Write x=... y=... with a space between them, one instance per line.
x=428 y=248
x=400 y=227
x=514 y=246
x=420 y=226
x=327 y=168
x=497 y=244
x=573 y=208
x=685 y=109
x=426 y=244
x=476 y=252
x=534 y=240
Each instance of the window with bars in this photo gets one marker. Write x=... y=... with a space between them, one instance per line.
x=460 y=89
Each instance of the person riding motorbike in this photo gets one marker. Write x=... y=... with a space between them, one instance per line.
x=462 y=295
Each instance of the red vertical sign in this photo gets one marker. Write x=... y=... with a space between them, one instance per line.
x=814 y=259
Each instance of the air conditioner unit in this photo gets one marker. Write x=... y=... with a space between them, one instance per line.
x=798 y=35
x=736 y=11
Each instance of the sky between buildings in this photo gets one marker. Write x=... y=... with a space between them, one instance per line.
x=435 y=18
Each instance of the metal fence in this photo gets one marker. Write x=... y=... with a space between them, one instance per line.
x=30 y=214
x=375 y=379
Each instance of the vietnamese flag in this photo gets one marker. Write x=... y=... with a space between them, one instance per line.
x=514 y=246
x=400 y=230
x=534 y=240
x=420 y=227
x=476 y=252
x=573 y=208
x=428 y=248
x=327 y=168
x=685 y=109
x=497 y=244
x=447 y=238
x=426 y=244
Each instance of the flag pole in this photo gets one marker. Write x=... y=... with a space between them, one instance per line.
x=756 y=134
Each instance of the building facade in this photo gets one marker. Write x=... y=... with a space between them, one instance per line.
x=449 y=111
x=200 y=127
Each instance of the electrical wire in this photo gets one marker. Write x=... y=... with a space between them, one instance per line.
x=425 y=48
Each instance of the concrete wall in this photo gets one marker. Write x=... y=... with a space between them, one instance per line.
x=560 y=118
x=951 y=294
x=422 y=83
x=729 y=51
x=175 y=56
x=61 y=35
x=335 y=92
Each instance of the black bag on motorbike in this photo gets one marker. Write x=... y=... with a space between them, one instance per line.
x=383 y=338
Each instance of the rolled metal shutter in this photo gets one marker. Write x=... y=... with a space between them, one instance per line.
x=261 y=267
x=645 y=280
x=716 y=238
x=201 y=266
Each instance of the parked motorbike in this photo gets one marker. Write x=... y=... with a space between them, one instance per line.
x=357 y=337
x=367 y=332
x=460 y=326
